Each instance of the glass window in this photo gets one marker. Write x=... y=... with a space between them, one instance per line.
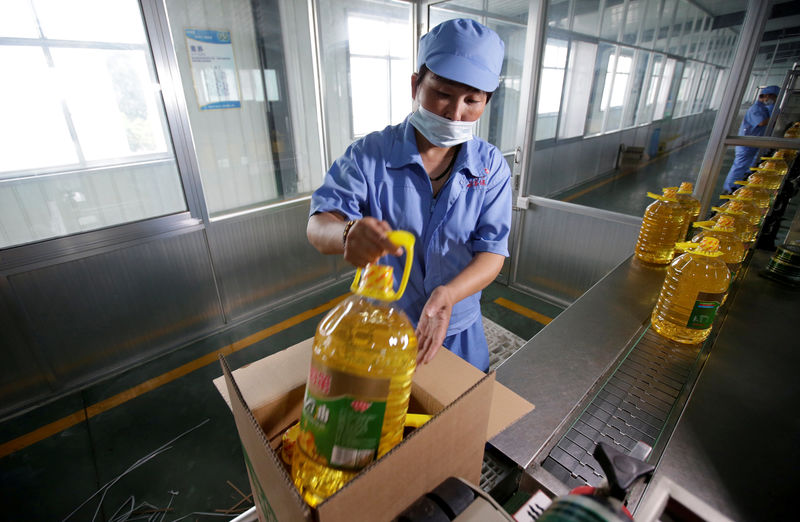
x=601 y=85
x=648 y=103
x=613 y=19
x=663 y=107
x=665 y=24
x=634 y=19
x=380 y=61
x=577 y=88
x=84 y=142
x=551 y=82
x=365 y=52
x=558 y=14
x=616 y=86
x=634 y=97
x=586 y=16
x=256 y=137
x=650 y=23
x=677 y=27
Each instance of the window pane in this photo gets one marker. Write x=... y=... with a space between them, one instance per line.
x=255 y=127
x=613 y=19
x=112 y=105
x=665 y=24
x=555 y=53
x=635 y=97
x=586 y=17
x=577 y=88
x=18 y=20
x=366 y=56
x=109 y=21
x=633 y=21
x=33 y=115
x=558 y=14
x=650 y=23
x=84 y=142
x=369 y=77
x=600 y=88
x=367 y=35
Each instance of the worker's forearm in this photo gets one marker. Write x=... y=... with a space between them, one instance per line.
x=325 y=231
x=477 y=275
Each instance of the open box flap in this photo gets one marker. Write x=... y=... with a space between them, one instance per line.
x=263 y=467
x=440 y=379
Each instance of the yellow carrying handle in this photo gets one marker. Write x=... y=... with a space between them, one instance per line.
x=401 y=238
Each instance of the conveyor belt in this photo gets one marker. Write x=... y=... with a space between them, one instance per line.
x=633 y=405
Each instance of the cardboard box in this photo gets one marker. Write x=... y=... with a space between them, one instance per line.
x=469 y=407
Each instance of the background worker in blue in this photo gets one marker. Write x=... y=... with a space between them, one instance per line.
x=754 y=124
x=429 y=175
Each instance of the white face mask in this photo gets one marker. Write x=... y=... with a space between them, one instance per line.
x=441 y=131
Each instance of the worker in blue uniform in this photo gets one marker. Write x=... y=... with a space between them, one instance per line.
x=754 y=124
x=429 y=175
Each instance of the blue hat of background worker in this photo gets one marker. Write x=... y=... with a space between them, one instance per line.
x=771 y=89
x=464 y=51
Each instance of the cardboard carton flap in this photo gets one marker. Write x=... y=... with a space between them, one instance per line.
x=263 y=467
x=264 y=380
x=445 y=376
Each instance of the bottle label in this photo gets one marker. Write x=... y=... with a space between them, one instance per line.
x=342 y=417
x=704 y=310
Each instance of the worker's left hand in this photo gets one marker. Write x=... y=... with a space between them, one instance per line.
x=433 y=323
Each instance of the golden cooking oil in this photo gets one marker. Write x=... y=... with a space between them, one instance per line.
x=770 y=178
x=362 y=363
x=693 y=289
x=730 y=244
x=793 y=131
x=662 y=225
x=690 y=205
x=776 y=162
x=744 y=202
x=743 y=224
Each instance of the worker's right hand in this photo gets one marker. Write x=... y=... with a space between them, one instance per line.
x=367 y=242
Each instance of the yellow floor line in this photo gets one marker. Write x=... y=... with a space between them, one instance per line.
x=527 y=312
x=625 y=172
x=48 y=430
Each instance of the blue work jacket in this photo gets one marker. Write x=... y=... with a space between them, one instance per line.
x=381 y=175
x=757 y=113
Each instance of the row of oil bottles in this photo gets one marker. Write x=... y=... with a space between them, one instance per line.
x=702 y=270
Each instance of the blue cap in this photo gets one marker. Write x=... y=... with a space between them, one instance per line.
x=464 y=51
x=771 y=89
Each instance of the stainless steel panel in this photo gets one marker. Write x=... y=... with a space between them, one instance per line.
x=735 y=446
x=642 y=138
x=566 y=248
x=558 y=366
x=92 y=316
x=587 y=157
x=22 y=379
x=264 y=257
x=567 y=159
x=606 y=158
x=542 y=180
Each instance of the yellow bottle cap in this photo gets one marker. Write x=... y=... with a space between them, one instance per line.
x=725 y=224
x=378 y=280
x=704 y=247
x=686 y=188
x=669 y=194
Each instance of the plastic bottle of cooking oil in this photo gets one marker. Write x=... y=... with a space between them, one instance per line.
x=662 y=225
x=793 y=131
x=363 y=359
x=772 y=177
x=689 y=204
x=743 y=223
x=776 y=162
x=693 y=289
x=786 y=154
x=745 y=202
x=753 y=190
x=730 y=244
